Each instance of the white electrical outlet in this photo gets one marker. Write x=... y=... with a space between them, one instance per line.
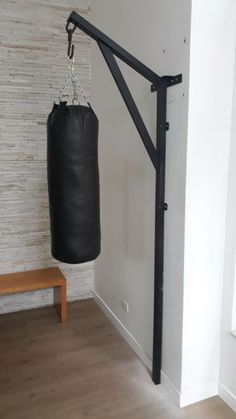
x=125 y=305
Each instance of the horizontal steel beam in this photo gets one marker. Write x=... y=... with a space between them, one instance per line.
x=116 y=49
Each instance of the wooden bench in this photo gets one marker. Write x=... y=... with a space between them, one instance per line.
x=36 y=280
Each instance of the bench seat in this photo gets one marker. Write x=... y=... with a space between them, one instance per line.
x=38 y=279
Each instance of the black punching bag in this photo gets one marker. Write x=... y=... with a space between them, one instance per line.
x=73 y=183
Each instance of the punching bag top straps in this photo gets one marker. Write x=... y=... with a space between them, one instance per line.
x=55 y=106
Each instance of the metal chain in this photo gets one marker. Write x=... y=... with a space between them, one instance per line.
x=70 y=77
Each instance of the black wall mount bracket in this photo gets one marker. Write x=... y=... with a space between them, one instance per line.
x=157 y=154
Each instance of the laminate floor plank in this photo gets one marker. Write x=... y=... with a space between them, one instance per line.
x=80 y=369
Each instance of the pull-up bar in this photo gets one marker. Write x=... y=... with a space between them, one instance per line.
x=109 y=48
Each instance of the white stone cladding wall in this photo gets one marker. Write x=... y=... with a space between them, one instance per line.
x=33 y=48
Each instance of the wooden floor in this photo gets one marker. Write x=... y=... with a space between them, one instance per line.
x=82 y=369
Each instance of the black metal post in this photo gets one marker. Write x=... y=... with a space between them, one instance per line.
x=157 y=155
x=160 y=207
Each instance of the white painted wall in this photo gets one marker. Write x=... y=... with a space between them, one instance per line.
x=233 y=322
x=228 y=342
x=158 y=33
x=209 y=125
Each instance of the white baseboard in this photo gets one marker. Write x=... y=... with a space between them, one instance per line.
x=189 y=396
x=199 y=393
x=123 y=331
x=228 y=397
x=169 y=388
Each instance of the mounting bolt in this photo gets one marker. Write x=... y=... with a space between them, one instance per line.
x=167 y=126
x=164 y=206
x=153 y=88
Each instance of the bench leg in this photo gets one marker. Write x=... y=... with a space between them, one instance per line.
x=60 y=302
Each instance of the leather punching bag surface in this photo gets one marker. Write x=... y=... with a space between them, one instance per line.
x=73 y=183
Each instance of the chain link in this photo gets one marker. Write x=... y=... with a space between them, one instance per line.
x=71 y=78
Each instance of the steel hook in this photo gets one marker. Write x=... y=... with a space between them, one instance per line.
x=71 y=48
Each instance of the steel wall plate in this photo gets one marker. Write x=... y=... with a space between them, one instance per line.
x=170 y=81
